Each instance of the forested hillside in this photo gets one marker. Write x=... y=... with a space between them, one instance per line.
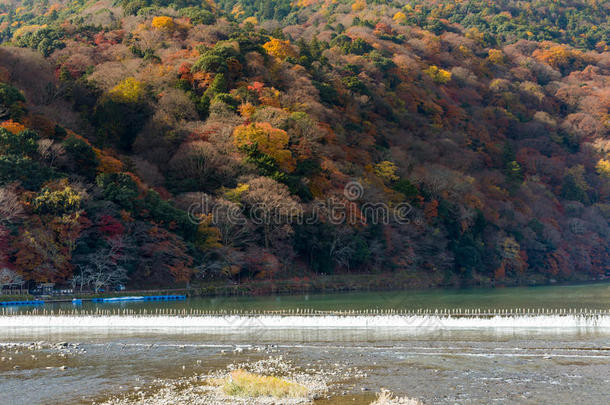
x=138 y=138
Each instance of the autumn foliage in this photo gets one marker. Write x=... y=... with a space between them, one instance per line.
x=12 y=126
x=278 y=48
x=163 y=23
x=129 y=90
x=138 y=147
x=266 y=139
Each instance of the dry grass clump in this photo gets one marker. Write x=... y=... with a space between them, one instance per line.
x=387 y=398
x=244 y=384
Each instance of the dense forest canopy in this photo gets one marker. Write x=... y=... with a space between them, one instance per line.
x=137 y=136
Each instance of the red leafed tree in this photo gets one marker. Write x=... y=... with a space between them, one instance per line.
x=262 y=264
x=431 y=209
x=256 y=87
x=185 y=72
x=110 y=227
x=163 y=258
x=500 y=272
x=4 y=247
x=558 y=262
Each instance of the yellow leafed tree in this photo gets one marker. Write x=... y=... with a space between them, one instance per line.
x=266 y=139
x=278 y=48
x=163 y=23
x=358 y=5
x=386 y=170
x=251 y=20
x=496 y=56
x=400 y=17
x=246 y=109
x=603 y=168
x=129 y=90
x=440 y=76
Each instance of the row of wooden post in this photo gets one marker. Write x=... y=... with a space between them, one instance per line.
x=453 y=312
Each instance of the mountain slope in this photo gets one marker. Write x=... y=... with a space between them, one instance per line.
x=212 y=135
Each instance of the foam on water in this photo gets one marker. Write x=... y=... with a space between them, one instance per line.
x=241 y=323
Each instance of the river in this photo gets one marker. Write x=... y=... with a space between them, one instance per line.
x=533 y=357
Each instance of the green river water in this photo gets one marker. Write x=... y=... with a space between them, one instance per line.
x=588 y=296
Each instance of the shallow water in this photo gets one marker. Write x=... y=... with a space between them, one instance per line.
x=445 y=368
x=530 y=360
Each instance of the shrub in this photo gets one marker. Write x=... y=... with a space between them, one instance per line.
x=387 y=398
x=244 y=384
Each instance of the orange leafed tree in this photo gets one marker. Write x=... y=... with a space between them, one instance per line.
x=12 y=126
x=358 y=5
x=108 y=164
x=44 y=248
x=500 y=272
x=562 y=57
x=39 y=123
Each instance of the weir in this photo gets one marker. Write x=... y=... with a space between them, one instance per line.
x=179 y=321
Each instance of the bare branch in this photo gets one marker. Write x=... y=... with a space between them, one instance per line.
x=10 y=206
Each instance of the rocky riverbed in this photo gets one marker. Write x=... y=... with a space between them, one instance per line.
x=202 y=388
x=345 y=368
